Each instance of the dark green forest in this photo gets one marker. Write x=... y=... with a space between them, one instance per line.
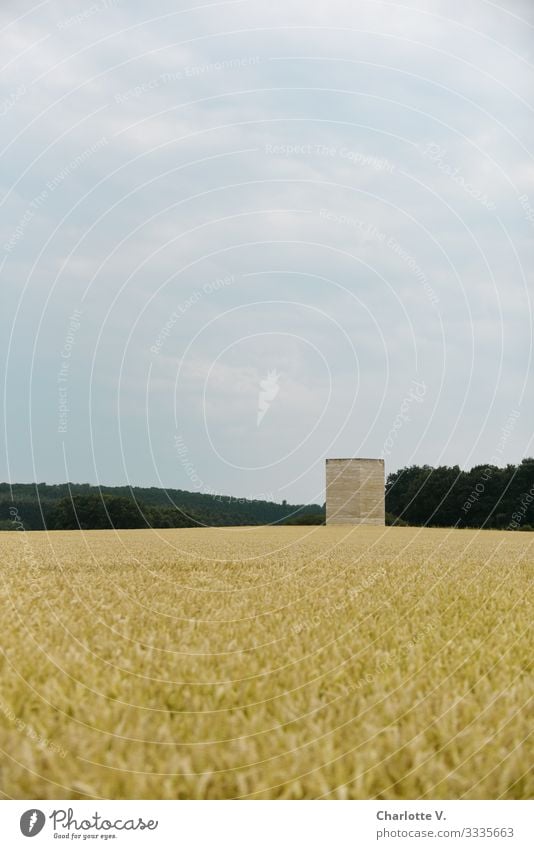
x=484 y=497
x=70 y=506
x=445 y=496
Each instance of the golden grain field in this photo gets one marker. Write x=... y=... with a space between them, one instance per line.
x=389 y=663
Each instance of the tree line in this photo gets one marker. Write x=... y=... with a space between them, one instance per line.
x=71 y=506
x=486 y=496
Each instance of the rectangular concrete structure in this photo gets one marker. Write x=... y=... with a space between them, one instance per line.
x=355 y=492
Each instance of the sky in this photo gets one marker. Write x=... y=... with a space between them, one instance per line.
x=241 y=237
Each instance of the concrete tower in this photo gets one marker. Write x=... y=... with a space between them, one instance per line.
x=355 y=492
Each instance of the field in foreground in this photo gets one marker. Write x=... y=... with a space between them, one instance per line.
x=280 y=662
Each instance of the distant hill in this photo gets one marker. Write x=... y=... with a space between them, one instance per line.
x=72 y=505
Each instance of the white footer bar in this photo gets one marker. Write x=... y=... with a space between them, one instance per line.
x=269 y=825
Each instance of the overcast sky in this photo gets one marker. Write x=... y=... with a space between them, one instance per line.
x=241 y=237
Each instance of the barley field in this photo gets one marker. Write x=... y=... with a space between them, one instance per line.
x=266 y=663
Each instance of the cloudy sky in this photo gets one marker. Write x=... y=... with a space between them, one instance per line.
x=240 y=237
